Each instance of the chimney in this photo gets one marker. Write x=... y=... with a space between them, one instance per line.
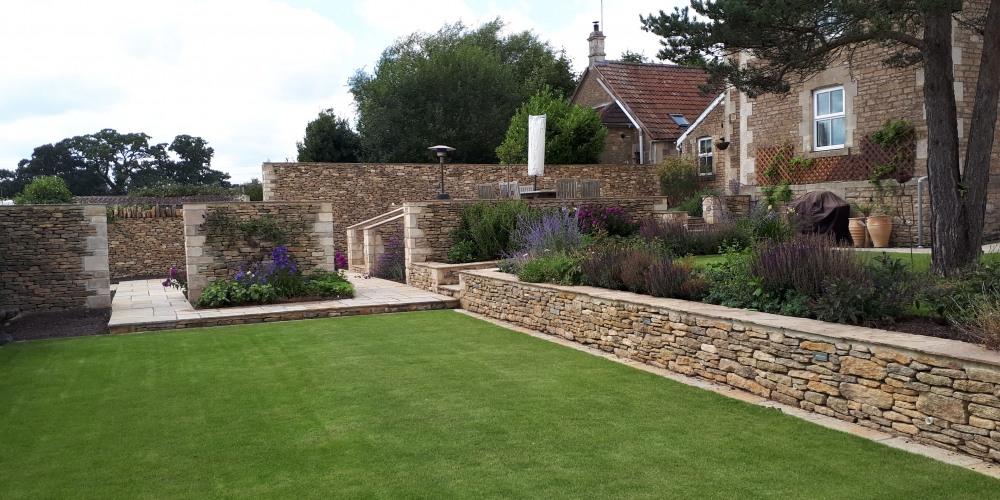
x=596 y=40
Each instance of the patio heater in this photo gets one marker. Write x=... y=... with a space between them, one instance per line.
x=442 y=151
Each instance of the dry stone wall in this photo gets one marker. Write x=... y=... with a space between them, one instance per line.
x=367 y=190
x=54 y=257
x=308 y=229
x=939 y=392
x=146 y=243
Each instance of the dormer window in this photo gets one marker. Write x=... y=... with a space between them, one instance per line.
x=679 y=120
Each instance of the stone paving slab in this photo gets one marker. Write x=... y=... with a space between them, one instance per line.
x=146 y=305
x=961 y=460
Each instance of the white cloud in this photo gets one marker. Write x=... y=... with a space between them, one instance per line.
x=621 y=27
x=402 y=17
x=246 y=76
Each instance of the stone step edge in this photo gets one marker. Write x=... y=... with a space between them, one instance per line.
x=270 y=317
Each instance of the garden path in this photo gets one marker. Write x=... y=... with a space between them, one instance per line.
x=145 y=305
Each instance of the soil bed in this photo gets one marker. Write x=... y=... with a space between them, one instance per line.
x=922 y=325
x=60 y=324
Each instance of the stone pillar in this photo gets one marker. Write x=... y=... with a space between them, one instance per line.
x=355 y=251
x=414 y=240
x=373 y=247
x=95 y=261
x=194 y=242
x=268 y=181
x=323 y=230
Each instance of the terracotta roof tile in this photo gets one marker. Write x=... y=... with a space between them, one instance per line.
x=612 y=115
x=653 y=91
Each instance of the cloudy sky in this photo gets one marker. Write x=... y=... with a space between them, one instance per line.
x=245 y=75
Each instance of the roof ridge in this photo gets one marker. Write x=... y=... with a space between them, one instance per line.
x=658 y=65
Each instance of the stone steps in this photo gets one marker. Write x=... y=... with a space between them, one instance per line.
x=453 y=291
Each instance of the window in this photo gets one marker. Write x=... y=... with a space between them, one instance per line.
x=679 y=120
x=705 y=156
x=830 y=128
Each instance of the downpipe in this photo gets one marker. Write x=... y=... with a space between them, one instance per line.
x=920 y=212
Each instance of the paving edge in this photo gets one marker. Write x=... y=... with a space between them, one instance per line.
x=270 y=317
x=971 y=463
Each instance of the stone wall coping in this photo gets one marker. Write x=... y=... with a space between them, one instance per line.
x=54 y=205
x=577 y=201
x=201 y=204
x=801 y=326
x=435 y=164
x=456 y=267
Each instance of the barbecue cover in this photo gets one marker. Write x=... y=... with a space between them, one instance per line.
x=823 y=212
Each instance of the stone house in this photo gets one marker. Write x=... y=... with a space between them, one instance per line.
x=645 y=106
x=817 y=136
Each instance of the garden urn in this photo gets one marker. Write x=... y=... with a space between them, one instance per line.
x=880 y=227
x=859 y=231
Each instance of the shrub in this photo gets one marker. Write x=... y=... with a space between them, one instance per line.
x=556 y=268
x=391 y=264
x=175 y=190
x=692 y=206
x=225 y=293
x=177 y=279
x=611 y=221
x=984 y=327
x=484 y=230
x=666 y=279
x=635 y=268
x=676 y=240
x=763 y=224
x=339 y=261
x=678 y=179
x=282 y=274
x=804 y=263
x=45 y=190
x=603 y=268
x=326 y=284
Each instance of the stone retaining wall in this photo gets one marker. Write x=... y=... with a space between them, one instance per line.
x=146 y=243
x=54 y=257
x=939 y=392
x=309 y=237
x=429 y=225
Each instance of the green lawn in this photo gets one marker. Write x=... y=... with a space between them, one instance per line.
x=919 y=262
x=417 y=405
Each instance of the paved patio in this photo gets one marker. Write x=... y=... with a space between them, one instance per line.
x=146 y=305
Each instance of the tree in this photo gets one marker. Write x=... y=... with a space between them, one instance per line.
x=791 y=41
x=109 y=162
x=458 y=87
x=45 y=190
x=573 y=134
x=329 y=139
x=634 y=57
x=54 y=160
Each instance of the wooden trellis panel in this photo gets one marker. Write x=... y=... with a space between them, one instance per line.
x=774 y=164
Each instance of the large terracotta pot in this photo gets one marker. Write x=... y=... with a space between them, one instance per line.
x=880 y=227
x=859 y=233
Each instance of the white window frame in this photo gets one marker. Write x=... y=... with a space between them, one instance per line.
x=829 y=116
x=710 y=155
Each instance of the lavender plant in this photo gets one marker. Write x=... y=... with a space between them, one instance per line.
x=553 y=231
x=391 y=264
